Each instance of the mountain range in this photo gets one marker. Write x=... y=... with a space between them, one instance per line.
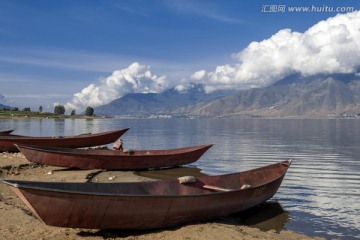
x=293 y=96
x=2 y=101
x=315 y=96
x=144 y=104
x=2 y=106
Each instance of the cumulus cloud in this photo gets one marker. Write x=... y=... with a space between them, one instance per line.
x=198 y=75
x=330 y=46
x=136 y=78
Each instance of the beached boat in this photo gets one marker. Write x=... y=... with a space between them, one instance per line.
x=6 y=132
x=151 y=204
x=112 y=159
x=83 y=140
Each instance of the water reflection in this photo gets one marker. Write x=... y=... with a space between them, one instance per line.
x=59 y=127
x=267 y=216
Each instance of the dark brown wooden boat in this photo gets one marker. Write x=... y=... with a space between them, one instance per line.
x=6 y=132
x=112 y=159
x=83 y=140
x=151 y=204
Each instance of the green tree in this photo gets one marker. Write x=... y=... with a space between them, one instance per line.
x=40 y=109
x=73 y=113
x=15 y=109
x=89 y=111
x=59 y=109
x=27 y=109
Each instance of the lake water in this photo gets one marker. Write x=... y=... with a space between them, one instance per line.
x=320 y=194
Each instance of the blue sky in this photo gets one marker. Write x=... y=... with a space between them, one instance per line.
x=52 y=49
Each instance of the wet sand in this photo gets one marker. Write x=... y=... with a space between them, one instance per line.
x=17 y=222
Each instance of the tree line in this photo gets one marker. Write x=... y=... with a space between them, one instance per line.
x=59 y=109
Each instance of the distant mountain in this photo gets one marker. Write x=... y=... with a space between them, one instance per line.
x=139 y=104
x=2 y=99
x=293 y=96
x=2 y=106
x=316 y=96
x=3 y=102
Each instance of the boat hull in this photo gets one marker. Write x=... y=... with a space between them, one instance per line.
x=112 y=159
x=147 y=204
x=83 y=140
x=6 y=132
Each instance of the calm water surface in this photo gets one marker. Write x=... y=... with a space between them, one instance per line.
x=321 y=191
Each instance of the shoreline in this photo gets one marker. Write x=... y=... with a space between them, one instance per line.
x=17 y=222
x=47 y=115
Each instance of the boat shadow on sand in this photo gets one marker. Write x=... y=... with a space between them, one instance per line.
x=267 y=216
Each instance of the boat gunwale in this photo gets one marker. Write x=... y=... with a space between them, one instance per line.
x=19 y=186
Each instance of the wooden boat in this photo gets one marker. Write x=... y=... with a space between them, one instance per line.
x=6 y=132
x=83 y=140
x=112 y=159
x=151 y=204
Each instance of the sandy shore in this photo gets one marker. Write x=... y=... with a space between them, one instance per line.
x=17 y=222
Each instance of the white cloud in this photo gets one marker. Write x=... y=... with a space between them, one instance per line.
x=181 y=87
x=330 y=46
x=136 y=78
x=198 y=75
